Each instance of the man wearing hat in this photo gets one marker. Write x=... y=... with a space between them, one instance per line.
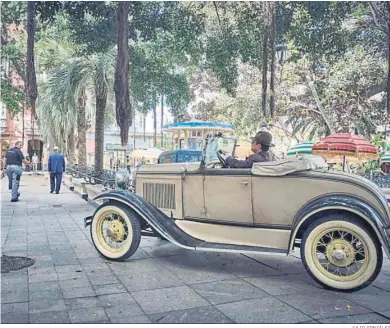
x=260 y=147
x=56 y=168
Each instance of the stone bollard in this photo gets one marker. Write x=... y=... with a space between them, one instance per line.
x=71 y=185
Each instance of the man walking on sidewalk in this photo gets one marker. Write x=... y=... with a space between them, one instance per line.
x=13 y=164
x=56 y=167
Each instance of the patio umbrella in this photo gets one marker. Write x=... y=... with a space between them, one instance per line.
x=338 y=148
x=385 y=158
x=304 y=148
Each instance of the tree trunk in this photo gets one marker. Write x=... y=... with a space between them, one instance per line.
x=273 y=55
x=155 y=124
x=144 y=126
x=264 y=81
x=30 y=67
x=81 y=129
x=162 y=121
x=101 y=100
x=121 y=86
x=388 y=61
x=71 y=148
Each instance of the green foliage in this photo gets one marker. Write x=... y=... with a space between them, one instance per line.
x=12 y=97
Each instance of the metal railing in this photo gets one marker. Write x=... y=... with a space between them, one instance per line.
x=104 y=177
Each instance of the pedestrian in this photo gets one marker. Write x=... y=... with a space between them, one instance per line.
x=128 y=166
x=35 y=162
x=13 y=164
x=56 y=168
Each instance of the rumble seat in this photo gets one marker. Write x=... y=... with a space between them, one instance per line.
x=291 y=165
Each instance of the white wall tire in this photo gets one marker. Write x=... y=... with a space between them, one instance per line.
x=124 y=231
x=349 y=264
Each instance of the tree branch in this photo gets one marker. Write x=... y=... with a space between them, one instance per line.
x=216 y=10
x=319 y=105
x=376 y=15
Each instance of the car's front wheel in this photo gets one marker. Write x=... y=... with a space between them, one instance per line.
x=115 y=231
x=341 y=253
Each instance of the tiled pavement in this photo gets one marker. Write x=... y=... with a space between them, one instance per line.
x=71 y=283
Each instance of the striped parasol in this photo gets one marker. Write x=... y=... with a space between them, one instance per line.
x=385 y=158
x=304 y=148
x=344 y=145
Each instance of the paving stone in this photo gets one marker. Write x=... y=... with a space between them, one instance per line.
x=14 y=308
x=193 y=269
x=109 y=289
x=282 y=285
x=88 y=315
x=103 y=279
x=201 y=315
x=168 y=299
x=15 y=296
x=78 y=292
x=371 y=298
x=162 y=250
x=264 y=310
x=135 y=267
x=116 y=299
x=45 y=285
x=14 y=317
x=250 y=268
x=125 y=318
x=50 y=317
x=226 y=291
x=43 y=277
x=123 y=311
x=285 y=264
x=40 y=271
x=383 y=281
x=360 y=319
x=158 y=279
x=322 y=305
x=52 y=294
x=45 y=305
x=82 y=303
x=75 y=283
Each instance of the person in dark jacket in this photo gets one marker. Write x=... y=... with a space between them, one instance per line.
x=260 y=147
x=13 y=165
x=56 y=167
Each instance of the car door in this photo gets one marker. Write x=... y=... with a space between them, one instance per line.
x=228 y=195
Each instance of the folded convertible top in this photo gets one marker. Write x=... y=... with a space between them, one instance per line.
x=291 y=165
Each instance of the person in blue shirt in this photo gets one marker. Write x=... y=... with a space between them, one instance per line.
x=56 y=167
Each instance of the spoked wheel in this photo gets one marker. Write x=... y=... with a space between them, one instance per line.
x=115 y=231
x=341 y=253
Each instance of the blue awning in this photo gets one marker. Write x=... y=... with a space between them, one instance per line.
x=199 y=124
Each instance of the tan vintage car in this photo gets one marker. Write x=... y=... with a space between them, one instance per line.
x=340 y=222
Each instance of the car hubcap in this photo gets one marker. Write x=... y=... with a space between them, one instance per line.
x=112 y=231
x=340 y=254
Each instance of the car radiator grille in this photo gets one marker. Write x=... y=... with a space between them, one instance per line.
x=161 y=195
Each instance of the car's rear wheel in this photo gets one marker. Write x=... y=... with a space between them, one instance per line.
x=115 y=231
x=341 y=253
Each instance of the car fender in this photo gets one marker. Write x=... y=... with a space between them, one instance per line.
x=163 y=224
x=349 y=203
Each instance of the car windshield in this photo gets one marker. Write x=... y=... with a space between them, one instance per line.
x=216 y=143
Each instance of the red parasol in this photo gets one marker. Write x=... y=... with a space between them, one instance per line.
x=341 y=146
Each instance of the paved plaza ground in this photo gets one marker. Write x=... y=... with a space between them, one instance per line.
x=161 y=283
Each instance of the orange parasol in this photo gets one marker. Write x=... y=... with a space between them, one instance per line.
x=337 y=148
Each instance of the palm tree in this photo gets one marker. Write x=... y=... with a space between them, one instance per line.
x=79 y=88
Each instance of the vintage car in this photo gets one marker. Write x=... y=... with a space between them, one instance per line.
x=340 y=221
x=180 y=156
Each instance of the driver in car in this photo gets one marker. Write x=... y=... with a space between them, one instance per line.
x=260 y=147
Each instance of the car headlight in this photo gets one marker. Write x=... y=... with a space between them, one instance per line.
x=122 y=177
